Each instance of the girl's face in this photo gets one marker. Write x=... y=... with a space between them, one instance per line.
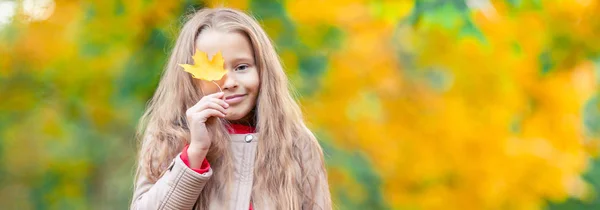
x=241 y=83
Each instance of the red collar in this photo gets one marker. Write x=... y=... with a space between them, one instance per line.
x=240 y=129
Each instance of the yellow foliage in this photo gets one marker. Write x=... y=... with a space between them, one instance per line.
x=495 y=134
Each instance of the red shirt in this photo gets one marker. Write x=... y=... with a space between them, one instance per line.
x=205 y=166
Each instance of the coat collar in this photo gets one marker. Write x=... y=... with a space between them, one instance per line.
x=240 y=129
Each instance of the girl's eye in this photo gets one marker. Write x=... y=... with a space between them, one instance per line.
x=241 y=67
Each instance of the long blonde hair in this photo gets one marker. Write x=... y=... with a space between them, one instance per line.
x=280 y=168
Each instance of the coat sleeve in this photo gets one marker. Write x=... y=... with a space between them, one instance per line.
x=178 y=188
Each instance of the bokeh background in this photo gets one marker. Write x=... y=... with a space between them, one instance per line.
x=430 y=104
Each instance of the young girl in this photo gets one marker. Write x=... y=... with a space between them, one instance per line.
x=239 y=145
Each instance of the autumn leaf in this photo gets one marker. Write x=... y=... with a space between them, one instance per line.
x=205 y=69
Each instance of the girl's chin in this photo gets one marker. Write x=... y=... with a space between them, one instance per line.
x=235 y=116
x=228 y=118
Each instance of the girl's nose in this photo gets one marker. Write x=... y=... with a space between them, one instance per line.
x=229 y=82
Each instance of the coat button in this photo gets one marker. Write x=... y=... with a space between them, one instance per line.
x=249 y=138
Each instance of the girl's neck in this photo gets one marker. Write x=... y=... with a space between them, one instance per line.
x=244 y=125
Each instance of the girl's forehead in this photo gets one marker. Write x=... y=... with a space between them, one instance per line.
x=232 y=44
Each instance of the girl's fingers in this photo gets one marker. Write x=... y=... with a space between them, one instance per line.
x=213 y=105
x=220 y=102
x=216 y=95
x=207 y=113
x=196 y=106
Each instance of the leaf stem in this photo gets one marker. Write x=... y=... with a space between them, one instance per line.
x=220 y=90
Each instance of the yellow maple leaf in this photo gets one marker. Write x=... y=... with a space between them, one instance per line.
x=205 y=69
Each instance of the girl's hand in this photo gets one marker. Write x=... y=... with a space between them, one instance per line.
x=211 y=105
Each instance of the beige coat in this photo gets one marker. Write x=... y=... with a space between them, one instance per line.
x=180 y=186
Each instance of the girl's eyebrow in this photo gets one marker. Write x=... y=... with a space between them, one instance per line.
x=242 y=59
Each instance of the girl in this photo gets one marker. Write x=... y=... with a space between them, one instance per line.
x=245 y=147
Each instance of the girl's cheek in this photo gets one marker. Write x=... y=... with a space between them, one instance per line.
x=208 y=88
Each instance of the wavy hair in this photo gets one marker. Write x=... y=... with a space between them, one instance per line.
x=281 y=169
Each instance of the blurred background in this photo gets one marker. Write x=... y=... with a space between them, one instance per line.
x=431 y=104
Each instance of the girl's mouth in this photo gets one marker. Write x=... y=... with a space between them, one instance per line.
x=234 y=99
